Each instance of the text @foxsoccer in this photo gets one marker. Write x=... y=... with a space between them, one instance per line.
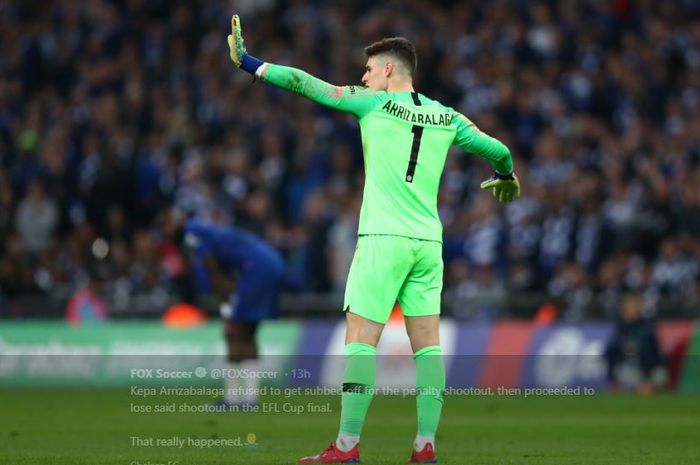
x=203 y=372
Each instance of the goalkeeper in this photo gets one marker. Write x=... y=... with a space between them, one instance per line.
x=405 y=139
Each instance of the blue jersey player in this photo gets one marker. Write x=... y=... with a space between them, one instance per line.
x=259 y=270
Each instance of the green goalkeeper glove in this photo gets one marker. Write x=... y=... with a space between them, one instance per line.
x=239 y=56
x=235 y=41
x=506 y=187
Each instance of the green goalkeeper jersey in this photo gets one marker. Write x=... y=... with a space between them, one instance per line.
x=405 y=139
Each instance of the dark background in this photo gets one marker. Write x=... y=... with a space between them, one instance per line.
x=113 y=112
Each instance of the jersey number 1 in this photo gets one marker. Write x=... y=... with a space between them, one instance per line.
x=415 y=147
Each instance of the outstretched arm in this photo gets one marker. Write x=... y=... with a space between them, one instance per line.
x=352 y=99
x=356 y=100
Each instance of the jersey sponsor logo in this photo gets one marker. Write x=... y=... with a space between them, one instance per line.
x=425 y=119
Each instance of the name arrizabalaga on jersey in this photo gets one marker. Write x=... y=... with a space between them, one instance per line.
x=399 y=111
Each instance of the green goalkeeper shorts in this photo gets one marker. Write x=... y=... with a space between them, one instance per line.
x=387 y=269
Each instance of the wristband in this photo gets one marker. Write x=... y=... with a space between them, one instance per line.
x=250 y=64
x=503 y=177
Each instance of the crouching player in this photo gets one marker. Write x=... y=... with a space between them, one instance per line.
x=227 y=252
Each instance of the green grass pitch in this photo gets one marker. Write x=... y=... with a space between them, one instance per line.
x=42 y=426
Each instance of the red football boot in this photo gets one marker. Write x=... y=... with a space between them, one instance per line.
x=427 y=455
x=334 y=455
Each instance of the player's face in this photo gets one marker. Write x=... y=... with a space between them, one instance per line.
x=376 y=75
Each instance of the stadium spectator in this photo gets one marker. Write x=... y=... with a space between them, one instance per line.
x=111 y=112
x=633 y=355
x=86 y=306
x=37 y=218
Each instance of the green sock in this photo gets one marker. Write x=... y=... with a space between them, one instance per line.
x=430 y=384
x=358 y=386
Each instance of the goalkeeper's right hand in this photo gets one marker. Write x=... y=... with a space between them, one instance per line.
x=506 y=187
x=239 y=55
x=235 y=42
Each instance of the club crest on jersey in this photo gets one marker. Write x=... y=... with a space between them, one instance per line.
x=399 y=111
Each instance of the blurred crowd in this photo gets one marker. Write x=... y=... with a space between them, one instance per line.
x=113 y=112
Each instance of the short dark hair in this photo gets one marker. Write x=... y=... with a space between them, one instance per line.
x=400 y=47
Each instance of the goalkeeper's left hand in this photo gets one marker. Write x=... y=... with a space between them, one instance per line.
x=506 y=187
x=235 y=42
